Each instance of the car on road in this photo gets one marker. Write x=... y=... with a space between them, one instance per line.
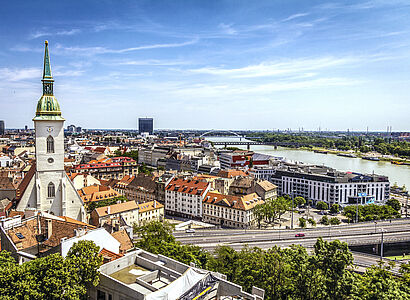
x=299 y=235
x=190 y=230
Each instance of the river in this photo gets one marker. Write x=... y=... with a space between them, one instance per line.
x=396 y=173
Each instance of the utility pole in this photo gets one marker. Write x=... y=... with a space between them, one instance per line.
x=357 y=209
x=407 y=203
x=381 y=247
x=293 y=196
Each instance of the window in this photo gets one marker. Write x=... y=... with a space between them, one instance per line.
x=50 y=144
x=51 y=190
x=100 y=295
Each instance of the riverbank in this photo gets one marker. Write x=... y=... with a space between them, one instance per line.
x=375 y=156
x=399 y=175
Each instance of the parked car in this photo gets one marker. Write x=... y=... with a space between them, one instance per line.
x=299 y=235
x=190 y=230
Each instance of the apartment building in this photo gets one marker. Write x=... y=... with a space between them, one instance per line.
x=184 y=197
x=230 y=211
x=115 y=167
x=130 y=212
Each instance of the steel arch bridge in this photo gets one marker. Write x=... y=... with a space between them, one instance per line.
x=211 y=131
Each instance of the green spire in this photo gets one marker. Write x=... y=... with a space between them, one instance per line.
x=47 y=107
x=47 y=67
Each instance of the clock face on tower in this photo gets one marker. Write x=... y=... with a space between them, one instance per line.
x=50 y=160
x=50 y=129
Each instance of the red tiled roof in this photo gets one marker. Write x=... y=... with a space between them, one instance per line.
x=124 y=239
x=231 y=173
x=109 y=255
x=24 y=183
x=188 y=186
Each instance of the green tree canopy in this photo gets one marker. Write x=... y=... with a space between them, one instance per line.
x=322 y=205
x=335 y=208
x=394 y=203
x=299 y=201
x=51 y=277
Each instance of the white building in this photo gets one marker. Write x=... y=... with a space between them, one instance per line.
x=46 y=186
x=184 y=197
x=131 y=212
x=5 y=161
x=318 y=183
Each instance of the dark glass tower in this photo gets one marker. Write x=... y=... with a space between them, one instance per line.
x=146 y=125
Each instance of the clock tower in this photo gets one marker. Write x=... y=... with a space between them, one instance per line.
x=49 y=126
x=49 y=189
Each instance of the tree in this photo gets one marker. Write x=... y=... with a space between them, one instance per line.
x=322 y=205
x=312 y=222
x=324 y=220
x=153 y=234
x=106 y=202
x=156 y=237
x=379 y=283
x=302 y=223
x=83 y=260
x=332 y=258
x=394 y=203
x=299 y=201
x=51 y=277
x=226 y=261
x=334 y=221
x=335 y=208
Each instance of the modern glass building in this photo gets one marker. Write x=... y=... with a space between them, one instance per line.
x=146 y=125
x=2 y=127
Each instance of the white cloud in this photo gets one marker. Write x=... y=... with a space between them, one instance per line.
x=150 y=62
x=12 y=75
x=295 y=16
x=277 y=68
x=51 y=33
x=104 y=50
x=227 y=29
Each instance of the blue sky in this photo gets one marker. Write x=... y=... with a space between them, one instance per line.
x=210 y=64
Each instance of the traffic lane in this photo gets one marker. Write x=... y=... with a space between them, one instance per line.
x=328 y=232
x=309 y=241
x=216 y=232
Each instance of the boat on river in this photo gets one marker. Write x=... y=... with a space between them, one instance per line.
x=373 y=158
x=321 y=151
x=347 y=155
x=397 y=162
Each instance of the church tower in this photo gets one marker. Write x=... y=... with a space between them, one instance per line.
x=50 y=190
x=49 y=128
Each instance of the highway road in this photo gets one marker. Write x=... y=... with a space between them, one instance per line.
x=354 y=234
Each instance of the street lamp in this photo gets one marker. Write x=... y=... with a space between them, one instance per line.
x=381 y=245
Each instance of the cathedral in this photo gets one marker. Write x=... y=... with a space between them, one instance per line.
x=46 y=187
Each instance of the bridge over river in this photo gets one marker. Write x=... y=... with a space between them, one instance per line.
x=248 y=144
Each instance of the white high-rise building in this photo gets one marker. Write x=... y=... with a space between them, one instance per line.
x=47 y=187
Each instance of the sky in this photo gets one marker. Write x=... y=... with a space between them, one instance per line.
x=257 y=65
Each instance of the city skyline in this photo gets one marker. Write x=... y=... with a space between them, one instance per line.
x=220 y=64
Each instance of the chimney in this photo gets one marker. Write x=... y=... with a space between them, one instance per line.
x=108 y=210
x=49 y=228
x=155 y=203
